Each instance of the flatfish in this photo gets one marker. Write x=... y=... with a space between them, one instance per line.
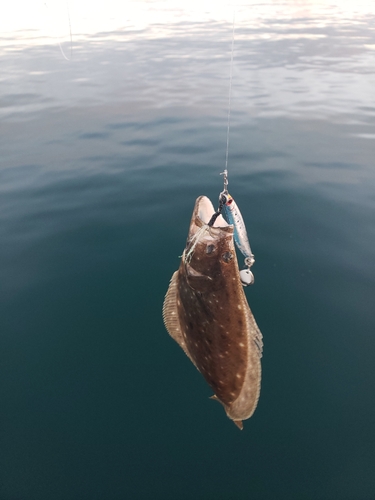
x=206 y=312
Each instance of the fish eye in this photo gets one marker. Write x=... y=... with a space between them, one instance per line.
x=227 y=256
x=210 y=248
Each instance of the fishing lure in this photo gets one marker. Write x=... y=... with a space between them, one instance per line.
x=234 y=217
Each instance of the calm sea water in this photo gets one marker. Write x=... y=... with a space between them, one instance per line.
x=102 y=158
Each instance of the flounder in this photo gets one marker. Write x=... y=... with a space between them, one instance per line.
x=206 y=312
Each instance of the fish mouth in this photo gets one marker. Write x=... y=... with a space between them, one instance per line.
x=200 y=232
x=204 y=210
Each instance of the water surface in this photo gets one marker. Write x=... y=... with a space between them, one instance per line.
x=102 y=158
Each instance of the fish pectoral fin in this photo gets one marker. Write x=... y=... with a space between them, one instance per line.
x=191 y=271
x=239 y=424
x=200 y=283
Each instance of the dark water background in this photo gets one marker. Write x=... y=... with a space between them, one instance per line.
x=102 y=158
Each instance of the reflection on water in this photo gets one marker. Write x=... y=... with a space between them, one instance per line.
x=290 y=59
x=102 y=159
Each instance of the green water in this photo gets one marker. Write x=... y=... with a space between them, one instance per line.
x=102 y=158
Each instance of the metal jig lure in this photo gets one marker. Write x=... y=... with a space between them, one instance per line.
x=234 y=217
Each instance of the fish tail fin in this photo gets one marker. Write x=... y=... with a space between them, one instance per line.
x=236 y=422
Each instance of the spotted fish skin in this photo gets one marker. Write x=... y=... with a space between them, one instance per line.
x=206 y=312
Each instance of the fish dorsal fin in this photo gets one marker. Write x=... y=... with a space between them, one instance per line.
x=243 y=407
x=170 y=314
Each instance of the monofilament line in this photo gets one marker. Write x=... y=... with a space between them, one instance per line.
x=230 y=94
x=71 y=37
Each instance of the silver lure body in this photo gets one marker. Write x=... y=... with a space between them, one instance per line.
x=234 y=216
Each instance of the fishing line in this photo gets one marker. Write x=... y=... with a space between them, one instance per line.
x=230 y=92
x=227 y=203
x=71 y=37
x=70 y=34
x=224 y=193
